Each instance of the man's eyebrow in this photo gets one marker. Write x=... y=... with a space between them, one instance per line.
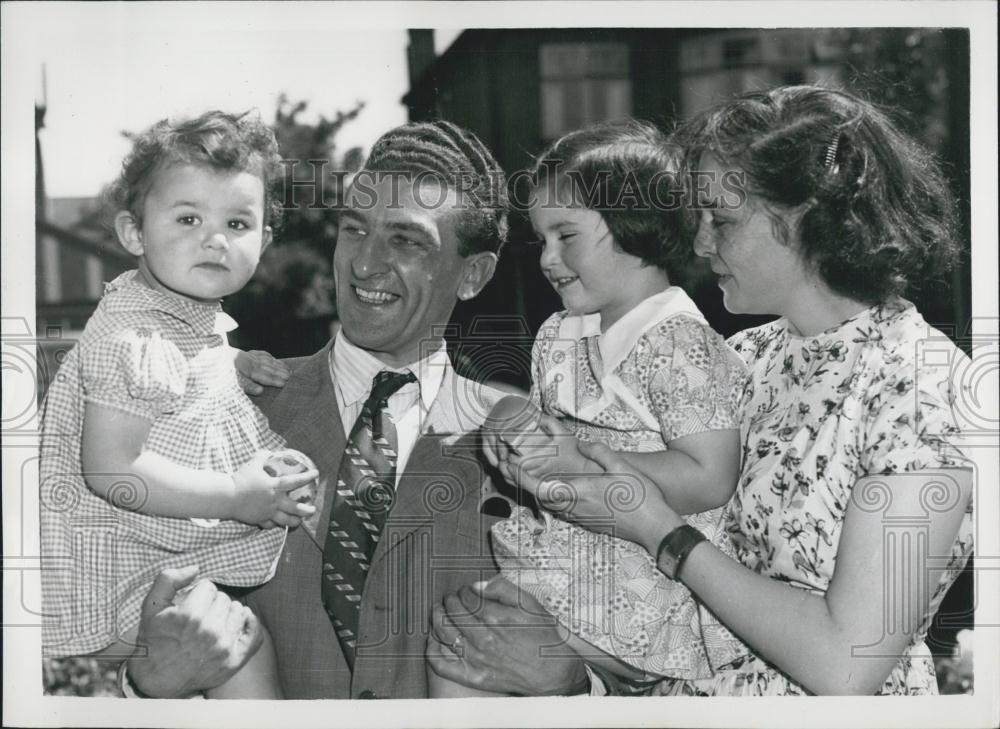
x=419 y=229
x=353 y=214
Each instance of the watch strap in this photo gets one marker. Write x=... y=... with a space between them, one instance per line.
x=678 y=544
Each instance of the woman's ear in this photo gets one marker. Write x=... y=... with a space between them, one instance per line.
x=479 y=268
x=129 y=232
x=267 y=239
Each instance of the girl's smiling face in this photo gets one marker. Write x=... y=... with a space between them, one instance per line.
x=580 y=258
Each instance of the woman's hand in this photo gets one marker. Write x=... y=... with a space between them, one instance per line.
x=617 y=499
x=491 y=636
x=257 y=369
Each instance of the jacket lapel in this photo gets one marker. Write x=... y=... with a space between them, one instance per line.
x=313 y=426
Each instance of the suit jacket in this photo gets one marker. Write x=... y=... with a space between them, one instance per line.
x=435 y=540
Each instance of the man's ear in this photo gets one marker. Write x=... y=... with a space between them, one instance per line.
x=129 y=232
x=267 y=239
x=479 y=268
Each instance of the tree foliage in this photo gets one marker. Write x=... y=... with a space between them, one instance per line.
x=287 y=307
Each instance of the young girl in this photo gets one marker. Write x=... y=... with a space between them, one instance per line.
x=151 y=454
x=633 y=364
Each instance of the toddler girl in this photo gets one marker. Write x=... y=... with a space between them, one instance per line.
x=151 y=454
x=631 y=363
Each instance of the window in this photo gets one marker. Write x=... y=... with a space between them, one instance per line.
x=583 y=83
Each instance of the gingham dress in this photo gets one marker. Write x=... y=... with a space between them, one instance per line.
x=163 y=359
x=658 y=374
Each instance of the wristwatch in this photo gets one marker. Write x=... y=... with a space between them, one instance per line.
x=675 y=548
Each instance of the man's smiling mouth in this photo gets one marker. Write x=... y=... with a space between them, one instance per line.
x=374 y=297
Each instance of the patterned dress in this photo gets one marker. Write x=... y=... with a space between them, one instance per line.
x=863 y=398
x=165 y=360
x=658 y=374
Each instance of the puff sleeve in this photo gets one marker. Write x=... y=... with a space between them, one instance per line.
x=138 y=371
x=697 y=380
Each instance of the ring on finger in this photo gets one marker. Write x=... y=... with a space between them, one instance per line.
x=456 y=644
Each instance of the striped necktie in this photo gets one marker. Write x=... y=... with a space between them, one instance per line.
x=364 y=495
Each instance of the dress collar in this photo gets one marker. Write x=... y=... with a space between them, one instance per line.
x=621 y=337
x=355 y=368
x=127 y=293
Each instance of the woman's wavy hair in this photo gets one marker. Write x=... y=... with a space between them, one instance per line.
x=878 y=212
x=220 y=141
x=629 y=173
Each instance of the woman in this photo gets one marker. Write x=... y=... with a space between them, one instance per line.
x=852 y=515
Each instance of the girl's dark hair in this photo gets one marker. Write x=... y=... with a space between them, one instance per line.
x=878 y=212
x=458 y=158
x=628 y=172
x=223 y=142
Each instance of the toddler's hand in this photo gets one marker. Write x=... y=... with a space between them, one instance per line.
x=257 y=369
x=264 y=500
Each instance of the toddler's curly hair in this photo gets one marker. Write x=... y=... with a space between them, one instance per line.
x=222 y=142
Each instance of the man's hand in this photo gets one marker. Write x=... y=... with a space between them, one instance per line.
x=494 y=637
x=257 y=369
x=192 y=646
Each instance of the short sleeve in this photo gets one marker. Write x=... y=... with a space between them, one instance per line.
x=697 y=380
x=135 y=370
x=911 y=423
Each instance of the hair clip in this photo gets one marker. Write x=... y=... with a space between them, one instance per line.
x=831 y=153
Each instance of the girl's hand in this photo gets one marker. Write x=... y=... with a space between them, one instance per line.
x=617 y=499
x=263 y=500
x=511 y=419
x=257 y=369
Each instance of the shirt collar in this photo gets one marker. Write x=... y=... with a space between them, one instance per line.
x=355 y=368
x=621 y=337
x=127 y=293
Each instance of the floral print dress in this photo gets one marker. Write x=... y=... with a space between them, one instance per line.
x=870 y=396
x=657 y=374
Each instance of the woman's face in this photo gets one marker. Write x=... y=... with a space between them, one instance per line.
x=758 y=272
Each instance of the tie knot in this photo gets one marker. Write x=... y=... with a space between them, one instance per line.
x=386 y=384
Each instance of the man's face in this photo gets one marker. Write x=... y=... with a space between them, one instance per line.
x=397 y=266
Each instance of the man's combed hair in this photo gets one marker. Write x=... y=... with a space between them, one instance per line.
x=220 y=141
x=629 y=173
x=879 y=214
x=458 y=158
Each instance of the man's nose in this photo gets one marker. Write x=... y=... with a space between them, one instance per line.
x=370 y=257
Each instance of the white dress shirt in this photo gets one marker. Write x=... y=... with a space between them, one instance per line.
x=353 y=370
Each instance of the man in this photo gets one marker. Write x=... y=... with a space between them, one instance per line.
x=423 y=225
